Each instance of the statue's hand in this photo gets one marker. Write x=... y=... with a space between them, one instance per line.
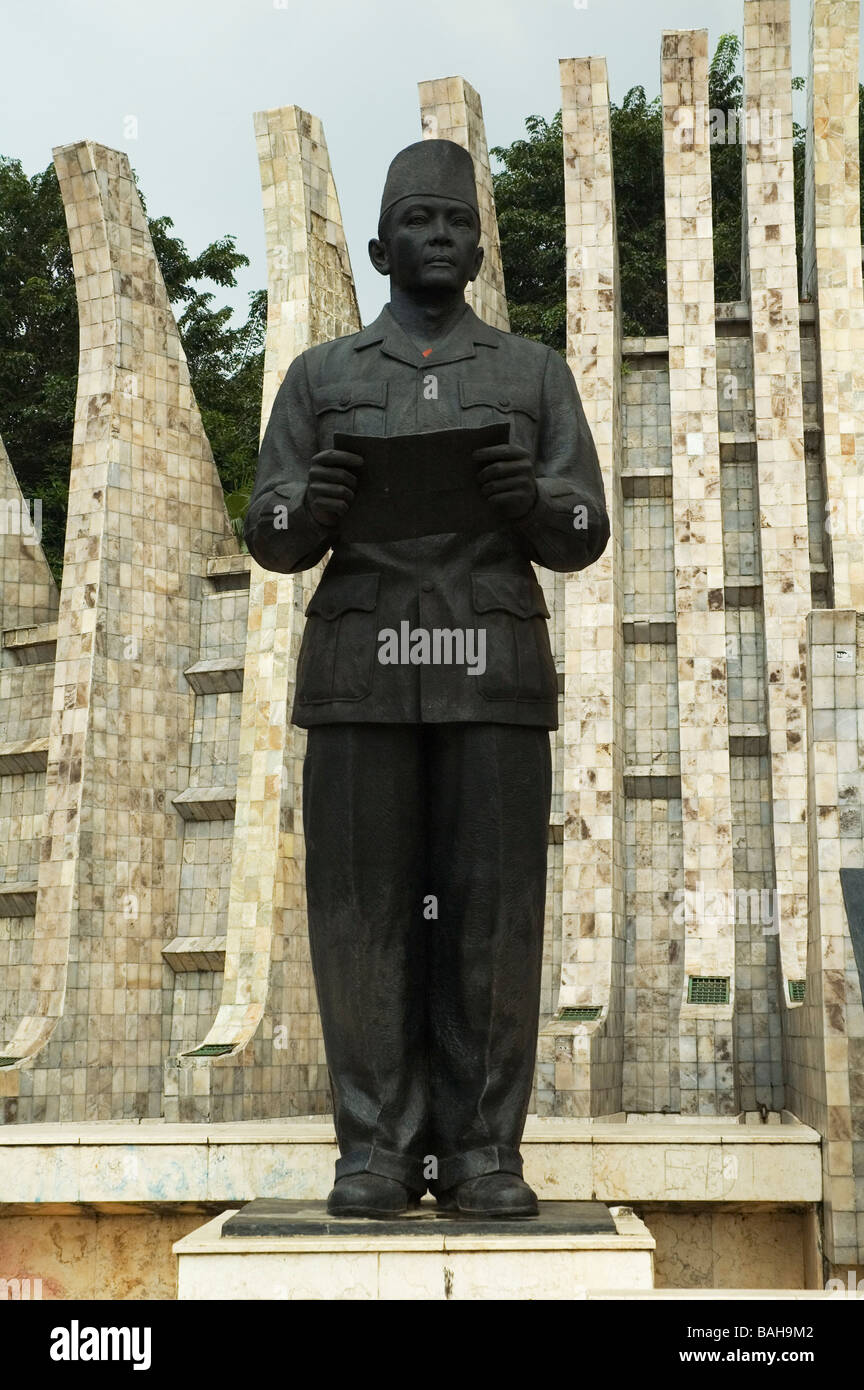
x=332 y=485
x=507 y=481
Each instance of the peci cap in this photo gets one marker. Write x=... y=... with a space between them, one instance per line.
x=439 y=168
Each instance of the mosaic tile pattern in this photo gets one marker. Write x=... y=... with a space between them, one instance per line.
x=759 y=1065
x=205 y=872
x=647 y=559
x=654 y=965
x=819 y=538
x=310 y=300
x=645 y=405
x=782 y=482
x=583 y=1061
x=829 y=1089
x=709 y=1085
x=831 y=275
x=145 y=511
x=654 y=1054
x=28 y=599
x=651 y=706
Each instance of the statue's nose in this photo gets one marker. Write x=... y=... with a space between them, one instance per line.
x=440 y=231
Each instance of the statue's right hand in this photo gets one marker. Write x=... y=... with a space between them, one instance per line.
x=333 y=478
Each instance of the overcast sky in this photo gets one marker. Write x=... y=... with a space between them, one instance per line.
x=190 y=73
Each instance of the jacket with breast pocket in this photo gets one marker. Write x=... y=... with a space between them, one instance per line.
x=447 y=627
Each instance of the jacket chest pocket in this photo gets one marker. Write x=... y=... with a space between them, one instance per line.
x=340 y=641
x=489 y=402
x=357 y=407
x=519 y=663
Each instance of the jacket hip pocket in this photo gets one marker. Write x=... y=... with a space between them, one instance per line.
x=519 y=662
x=337 y=654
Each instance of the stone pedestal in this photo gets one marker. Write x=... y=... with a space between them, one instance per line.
x=272 y=1249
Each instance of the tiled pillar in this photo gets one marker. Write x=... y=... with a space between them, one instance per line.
x=585 y=1057
x=707 y=1074
x=832 y=278
x=145 y=511
x=450 y=109
x=782 y=483
x=310 y=299
x=829 y=1090
x=28 y=613
x=827 y=1085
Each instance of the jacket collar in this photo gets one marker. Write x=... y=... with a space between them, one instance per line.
x=460 y=342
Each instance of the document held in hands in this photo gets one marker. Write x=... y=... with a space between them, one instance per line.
x=419 y=484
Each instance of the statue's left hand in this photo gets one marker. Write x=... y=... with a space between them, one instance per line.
x=507 y=481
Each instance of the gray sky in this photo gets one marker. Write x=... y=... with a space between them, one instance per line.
x=192 y=72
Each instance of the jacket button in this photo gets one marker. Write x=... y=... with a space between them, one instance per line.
x=345 y=400
x=427 y=586
x=504 y=400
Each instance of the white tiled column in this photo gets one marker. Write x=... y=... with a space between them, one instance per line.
x=769 y=246
x=707 y=1074
x=311 y=299
x=831 y=275
x=828 y=1083
x=587 y=1056
x=450 y=109
x=145 y=511
x=28 y=615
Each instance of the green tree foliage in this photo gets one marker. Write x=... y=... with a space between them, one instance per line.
x=529 y=196
x=39 y=345
x=637 y=159
x=725 y=97
x=38 y=342
x=529 y=200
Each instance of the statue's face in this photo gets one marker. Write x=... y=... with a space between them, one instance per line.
x=428 y=245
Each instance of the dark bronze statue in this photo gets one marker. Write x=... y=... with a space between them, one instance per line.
x=427 y=684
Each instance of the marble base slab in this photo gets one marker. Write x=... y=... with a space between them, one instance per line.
x=554 y=1256
x=269 y=1216
x=657 y=1159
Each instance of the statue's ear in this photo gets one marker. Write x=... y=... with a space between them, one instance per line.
x=478 y=261
x=379 y=256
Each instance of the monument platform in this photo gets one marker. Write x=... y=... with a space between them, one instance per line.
x=94 y=1209
x=290 y=1250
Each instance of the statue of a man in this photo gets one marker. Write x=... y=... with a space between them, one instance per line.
x=426 y=785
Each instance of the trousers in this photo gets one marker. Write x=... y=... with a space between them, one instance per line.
x=426 y=854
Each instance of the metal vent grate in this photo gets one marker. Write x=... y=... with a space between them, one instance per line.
x=211 y=1050
x=8 y=1061
x=584 y=1015
x=708 y=989
x=797 y=991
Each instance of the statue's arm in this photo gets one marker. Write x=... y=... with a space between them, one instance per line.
x=279 y=530
x=568 y=527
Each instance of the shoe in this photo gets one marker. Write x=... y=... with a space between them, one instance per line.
x=369 y=1194
x=491 y=1195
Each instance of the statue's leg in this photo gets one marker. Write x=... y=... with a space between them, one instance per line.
x=488 y=805
x=363 y=817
